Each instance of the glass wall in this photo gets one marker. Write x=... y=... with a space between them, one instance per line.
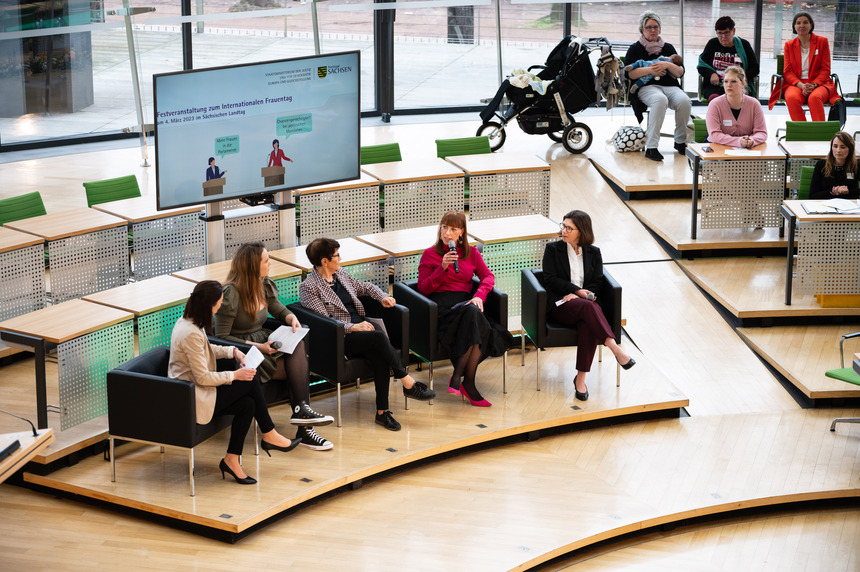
x=65 y=69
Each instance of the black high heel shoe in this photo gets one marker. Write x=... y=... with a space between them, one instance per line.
x=225 y=469
x=266 y=446
x=629 y=364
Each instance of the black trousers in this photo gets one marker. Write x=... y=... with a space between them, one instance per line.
x=376 y=347
x=244 y=401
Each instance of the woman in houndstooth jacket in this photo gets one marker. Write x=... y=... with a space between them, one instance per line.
x=330 y=291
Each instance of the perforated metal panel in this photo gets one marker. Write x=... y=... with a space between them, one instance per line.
x=794 y=167
x=507 y=259
x=88 y=263
x=828 y=258
x=406 y=267
x=258 y=227
x=375 y=272
x=169 y=244
x=509 y=194
x=421 y=203
x=154 y=329
x=22 y=281
x=742 y=194
x=83 y=364
x=288 y=289
x=338 y=214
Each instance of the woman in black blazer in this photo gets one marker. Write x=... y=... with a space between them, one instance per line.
x=572 y=271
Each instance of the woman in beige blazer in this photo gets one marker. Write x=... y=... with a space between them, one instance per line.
x=193 y=358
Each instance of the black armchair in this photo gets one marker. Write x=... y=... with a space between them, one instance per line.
x=423 y=318
x=326 y=339
x=147 y=406
x=547 y=334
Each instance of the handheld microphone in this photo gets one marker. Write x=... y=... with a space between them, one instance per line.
x=276 y=345
x=452 y=247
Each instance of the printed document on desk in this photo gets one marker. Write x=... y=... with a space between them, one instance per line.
x=832 y=206
x=289 y=339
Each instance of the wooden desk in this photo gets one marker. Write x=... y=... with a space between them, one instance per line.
x=828 y=251
x=338 y=210
x=361 y=260
x=162 y=241
x=505 y=184
x=91 y=340
x=286 y=277
x=738 y=191
x=156 y=303
x=418 y=192
x=30 y=445
x=511 y=244
x=87 y=249
x=404 y=247
x=22 y=273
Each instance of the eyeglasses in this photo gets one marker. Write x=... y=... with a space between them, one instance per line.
x=563 y=227
x=651 y=28
x=726 y=33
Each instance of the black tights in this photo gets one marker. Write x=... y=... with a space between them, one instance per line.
x=294 y=368
x=466 y=367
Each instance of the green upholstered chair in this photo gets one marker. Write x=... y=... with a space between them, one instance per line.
x=385 y=153
x=21 y=207
x=700 y=130
x=805 y=181
x=108 y=190
x=462 y=146
x=846 y=374
x=808 y=130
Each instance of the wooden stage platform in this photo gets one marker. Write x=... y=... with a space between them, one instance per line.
x=803 y=353
x=157 y=484
x=753 y=288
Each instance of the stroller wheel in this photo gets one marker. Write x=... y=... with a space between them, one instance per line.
x=495 y=132
x=558 y=136
x=576 y=138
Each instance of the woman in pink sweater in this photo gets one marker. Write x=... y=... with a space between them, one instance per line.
x=735 y=119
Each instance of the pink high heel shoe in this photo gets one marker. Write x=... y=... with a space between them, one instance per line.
x=482 y=403
x=451 y=389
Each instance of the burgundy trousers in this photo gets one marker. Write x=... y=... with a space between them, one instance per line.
x=591 y=324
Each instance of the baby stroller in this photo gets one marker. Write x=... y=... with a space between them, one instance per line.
x=573 y=89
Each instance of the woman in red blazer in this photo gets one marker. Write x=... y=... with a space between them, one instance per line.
x=809 y=84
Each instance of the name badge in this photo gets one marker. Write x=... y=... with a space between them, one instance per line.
x=727 y=122
x=850 y=176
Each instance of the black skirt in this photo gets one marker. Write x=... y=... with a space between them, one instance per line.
x=464 y=326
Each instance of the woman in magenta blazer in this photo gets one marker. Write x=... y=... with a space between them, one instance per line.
x=806 y=72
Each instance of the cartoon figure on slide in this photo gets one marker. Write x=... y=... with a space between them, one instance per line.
x=213 y=172
x=277 y=155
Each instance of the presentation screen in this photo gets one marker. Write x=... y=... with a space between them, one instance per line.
x=230 y=132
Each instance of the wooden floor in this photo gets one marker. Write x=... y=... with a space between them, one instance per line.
x=746 y=444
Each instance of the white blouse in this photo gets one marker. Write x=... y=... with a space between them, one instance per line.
x=804 y=63
x=577 y=269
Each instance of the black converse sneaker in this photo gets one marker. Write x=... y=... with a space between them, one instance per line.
x=311 y=440
x=304 y=415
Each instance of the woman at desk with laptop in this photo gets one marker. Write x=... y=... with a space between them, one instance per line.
x=835 y=177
